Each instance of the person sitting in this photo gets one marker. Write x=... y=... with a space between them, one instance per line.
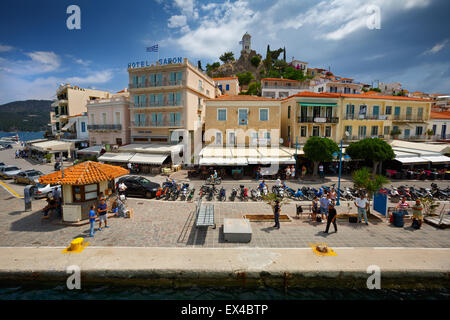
x=261 y=186
x=214 y=177
x=52 y=204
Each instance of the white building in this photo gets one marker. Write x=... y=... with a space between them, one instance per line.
x=246 y=43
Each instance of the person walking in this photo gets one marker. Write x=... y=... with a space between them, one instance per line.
x=315 y=208
x=362 y=204
x=322 y=175
x=102 y=210
x=292 y=172
x=288 y=173
x=276 y=213
x=331 y=218
x=303 y=172
x=333 y=194
x=92 y=217
x=417 y=210
x=324 y=203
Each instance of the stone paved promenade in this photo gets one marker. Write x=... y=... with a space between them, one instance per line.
x=170 y=224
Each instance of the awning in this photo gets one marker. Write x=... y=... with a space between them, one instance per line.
x=313 y=104
x=143 y=158
x=416 y=160
x=116 y=157
x=269 y=160
x=438 y=159
x=91 y=150
x=223 y=161
x=52 y=145
x=152 y=148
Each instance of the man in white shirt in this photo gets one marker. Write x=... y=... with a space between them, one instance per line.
x=321 y=171
x=129 y=166
x=122 y=188
x=362 y=204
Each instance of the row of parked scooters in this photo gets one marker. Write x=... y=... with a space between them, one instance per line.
x=174 y=191
x=412 y=193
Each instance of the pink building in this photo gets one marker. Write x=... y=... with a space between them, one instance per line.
x=109 y=120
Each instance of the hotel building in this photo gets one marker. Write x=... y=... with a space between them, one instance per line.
x=166 y=98
x=71 y=101
x=109 y=120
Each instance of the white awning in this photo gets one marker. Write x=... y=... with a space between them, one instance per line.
x=52 y=145
x=91 y=150
x=223 y=161
x=152 y=148
x=412 y=160
x=269 y=160
x=438 y=159
x=143 y=158
x=116 y=157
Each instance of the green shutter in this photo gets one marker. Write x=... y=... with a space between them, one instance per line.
x=178 y=98
x=178 y=118
x=136 y=119
x=154 y=118
x=159 y=118
x=159 y=79
x=160 y=99
x=179 y=76
x=152 y=99
x=136 y=101
x=170 y=98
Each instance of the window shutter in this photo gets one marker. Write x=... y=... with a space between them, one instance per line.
x=160 y=99
x=136 y=101
x=178 y=97
x=136 y=119
x=179 y=76
x=159 y=79
x=154 y=118
x=178 y=118
x=170 y=98
x=159 y=118
x=143 y=100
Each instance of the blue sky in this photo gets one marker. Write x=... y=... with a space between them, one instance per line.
x=38 y=52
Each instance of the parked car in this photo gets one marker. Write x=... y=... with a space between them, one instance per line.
x=43 y=190
x=139 y=186
x=9 y=172
x=2 y=164
x=28 y=176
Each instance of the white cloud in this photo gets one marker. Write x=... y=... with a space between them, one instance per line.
x=187 y=7
x=95 y=77
x=438 y=47
x=218 y=30
x=177 y=21
x=4 y=48
x=39 y=62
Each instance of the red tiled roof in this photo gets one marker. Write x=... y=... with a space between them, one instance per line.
x=242 y=97
x=225 y=78
x=440 y=115
x=86 y=172
x=279 y=79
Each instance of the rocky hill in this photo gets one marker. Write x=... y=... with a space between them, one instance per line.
x=241 y=65
x=29 y=115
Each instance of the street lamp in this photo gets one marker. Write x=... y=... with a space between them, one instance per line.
x=340 y=169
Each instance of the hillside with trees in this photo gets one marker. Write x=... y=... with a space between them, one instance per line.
x=29 y=115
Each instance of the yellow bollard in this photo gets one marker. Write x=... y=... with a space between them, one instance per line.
x=77 y=245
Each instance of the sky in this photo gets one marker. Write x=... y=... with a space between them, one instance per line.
x=410 y=44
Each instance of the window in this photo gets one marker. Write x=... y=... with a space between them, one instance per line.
x=253 y=138
x=434 y=129
x=263 y=114
x=117 y=116
x=227 y=87
x=103 y=118
x=419 y=131
x=218 y=137
x=83 y=126
x=388 y=110
x=200 y=85
x=92 y=118
x=231 y=138
x=349 y=130
x=243 y=116
x=221 y=114
x=267 y=137
x=316 y=131
x=408 y=112
x=328 y=131
x=387 y=130
x=419 y=113
x=303 y=131
x=289 y=112
x=397 y=111
x=374 y=132
x=84 y=193
x=407 y=133
x=362 y=131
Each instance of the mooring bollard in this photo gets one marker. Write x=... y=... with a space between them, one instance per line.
x=27 y=197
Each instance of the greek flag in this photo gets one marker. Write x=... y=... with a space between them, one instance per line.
x=153 y=48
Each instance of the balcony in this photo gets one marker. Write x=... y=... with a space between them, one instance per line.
x=356 y=138
x=163 y=83
x=157 y=105
x=157 y=124
x=407 y=117
x=104 y=127
x=317 y=119
x=304 y=87
x=365 y=117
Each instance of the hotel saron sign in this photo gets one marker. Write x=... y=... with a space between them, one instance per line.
x=142 y=64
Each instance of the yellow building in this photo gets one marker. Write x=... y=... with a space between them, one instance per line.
x=361 y=115
x=242 y=130
x=228 y=85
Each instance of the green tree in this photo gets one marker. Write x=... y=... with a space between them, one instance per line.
x=254 y=89
x=255 y=61
x=371 y=183
x=375 y=89
x=319 y=150
x=212 y=67
x=245 y=78
x=371 y=149
x=227 y=57
x=294 y=74
x=396 y=132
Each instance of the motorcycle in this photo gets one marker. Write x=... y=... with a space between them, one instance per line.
x=184 y=191
x=233 y=194
x=191 y=195
x=243 y=193
x=278 y=190
x=255 y=194
x=217 y=180
x=222 y=194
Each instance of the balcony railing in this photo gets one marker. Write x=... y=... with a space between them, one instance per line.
x=285 y=87
x=163 y=83
x=360 y=137
x=317 y=119
x=104 y=127
x=365 y=117
x=407 y=118
x=157 y=104
x=157 y=124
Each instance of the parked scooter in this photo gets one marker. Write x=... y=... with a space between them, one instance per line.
x=233 y=194
x=222 y=194
x=255 y=194
x=184 y=191
x=243 y=193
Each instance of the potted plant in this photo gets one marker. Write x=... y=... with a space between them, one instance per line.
x=395 y=133
x=429 y=133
